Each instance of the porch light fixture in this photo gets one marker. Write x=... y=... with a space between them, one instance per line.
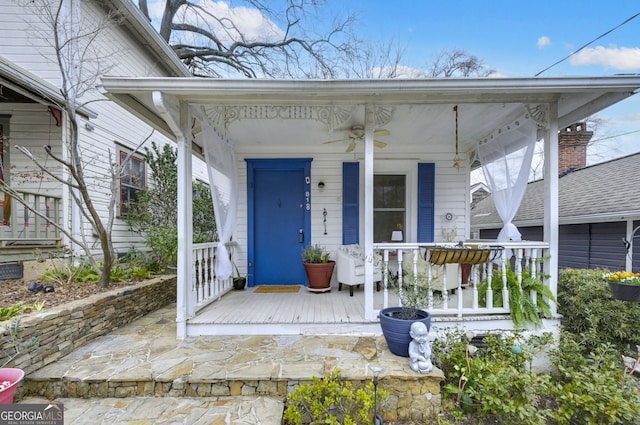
x=396 y=236
x=456 y=159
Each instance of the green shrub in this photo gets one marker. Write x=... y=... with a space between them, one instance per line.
x=493 y=380
x=592 y=389
x=328 y=400
x=591 y=313
x=154 y=214
x=135 y=266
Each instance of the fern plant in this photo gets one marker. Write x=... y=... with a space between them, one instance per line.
x=524 y=309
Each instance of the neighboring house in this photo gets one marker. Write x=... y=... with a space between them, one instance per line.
x=297 y=186
x=30 y=116
x=599 y=210
x=478 y=192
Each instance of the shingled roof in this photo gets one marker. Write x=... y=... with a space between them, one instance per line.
x=598 y=192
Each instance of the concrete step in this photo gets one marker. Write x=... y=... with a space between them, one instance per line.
x=168 y=410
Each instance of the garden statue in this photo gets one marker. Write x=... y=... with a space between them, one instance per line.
x=420 y=349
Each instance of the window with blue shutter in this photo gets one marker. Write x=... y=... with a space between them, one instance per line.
x=350 y=203
x=426 y=202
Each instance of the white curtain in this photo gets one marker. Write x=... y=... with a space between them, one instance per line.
x=223 y=179
x=506 y=162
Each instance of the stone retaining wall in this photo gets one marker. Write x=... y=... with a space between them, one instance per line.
x=64 y=328
x=416 y=399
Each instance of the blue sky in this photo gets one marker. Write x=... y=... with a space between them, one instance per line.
x=505 y=34
x=519 y=39
x=516 y=38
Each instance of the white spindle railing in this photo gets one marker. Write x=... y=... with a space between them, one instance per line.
x=524 y=255
x=30 y=219
x=205 y=286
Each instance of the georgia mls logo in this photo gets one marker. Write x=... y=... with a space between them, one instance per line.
x=32 y=414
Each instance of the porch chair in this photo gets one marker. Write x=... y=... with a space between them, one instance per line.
x=350 y=264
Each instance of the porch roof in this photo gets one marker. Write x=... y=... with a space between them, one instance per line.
x=414 y=111
x=23 y=86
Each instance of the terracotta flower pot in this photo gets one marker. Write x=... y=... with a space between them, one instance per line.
x=319 y=275
x=13 y=376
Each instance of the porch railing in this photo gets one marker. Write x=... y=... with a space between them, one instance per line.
x=32 y=226
x=521 y=256
x=206 y=287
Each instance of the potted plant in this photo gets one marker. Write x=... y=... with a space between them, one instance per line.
x=318 y=267
x=239 y=281
x=624 y=286
x=396 y=321
x=10 y=377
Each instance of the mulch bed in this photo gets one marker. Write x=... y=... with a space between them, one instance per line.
x=17 y=292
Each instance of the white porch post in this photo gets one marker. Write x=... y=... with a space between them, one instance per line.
x=369 y=124
x=551 y=220
x=176 y=115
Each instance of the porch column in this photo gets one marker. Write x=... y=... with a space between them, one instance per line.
x=369 y=124
x=551 y=221
x=176 y=115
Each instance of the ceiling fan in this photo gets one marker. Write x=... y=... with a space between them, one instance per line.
x=356 y=134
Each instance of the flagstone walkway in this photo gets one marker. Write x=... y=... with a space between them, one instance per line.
x=141 y=374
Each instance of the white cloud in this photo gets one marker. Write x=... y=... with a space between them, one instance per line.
x=543 y=41
x=622 y=58
x=398 y=71
x=248 y=22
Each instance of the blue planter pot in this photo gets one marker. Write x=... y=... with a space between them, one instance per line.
x=396 y=330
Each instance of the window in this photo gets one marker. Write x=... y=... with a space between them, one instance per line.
x=133 y=180
x=389 y=206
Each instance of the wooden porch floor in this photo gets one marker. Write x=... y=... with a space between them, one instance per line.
x=249 y=313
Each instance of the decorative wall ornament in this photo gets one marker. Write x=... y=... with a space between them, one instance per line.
x=448 y=230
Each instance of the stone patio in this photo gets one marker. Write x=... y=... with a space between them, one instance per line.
x=143 y=368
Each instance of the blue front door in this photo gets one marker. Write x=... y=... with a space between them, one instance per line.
x=279 y=219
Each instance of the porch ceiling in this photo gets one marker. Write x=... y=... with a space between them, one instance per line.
x=414 y=111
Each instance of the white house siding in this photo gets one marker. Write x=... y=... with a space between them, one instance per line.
x=450 y=192
x=23 y=45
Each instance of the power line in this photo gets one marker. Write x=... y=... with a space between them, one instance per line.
x=614 y=136
x=592 y=41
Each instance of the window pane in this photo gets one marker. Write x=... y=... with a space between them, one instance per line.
x=384 y=222
x=389 y=191
x=132 y=181
x=388 y=206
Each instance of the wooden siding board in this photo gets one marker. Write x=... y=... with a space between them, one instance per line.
x=606 y=247
x=574 y=246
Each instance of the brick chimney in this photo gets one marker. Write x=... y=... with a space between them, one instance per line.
x=572 y=143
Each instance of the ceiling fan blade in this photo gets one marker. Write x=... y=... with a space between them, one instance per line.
x=379 y=144
x=351 y=147
x=380 y=133
x=335 y=141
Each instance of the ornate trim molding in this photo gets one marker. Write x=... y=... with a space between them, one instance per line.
x=332 y=116
x=539 y=113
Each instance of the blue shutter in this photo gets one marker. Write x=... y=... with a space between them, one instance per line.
x=350 y=203
x=426 y=202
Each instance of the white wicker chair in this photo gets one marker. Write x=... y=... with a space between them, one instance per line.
x=350 y=264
